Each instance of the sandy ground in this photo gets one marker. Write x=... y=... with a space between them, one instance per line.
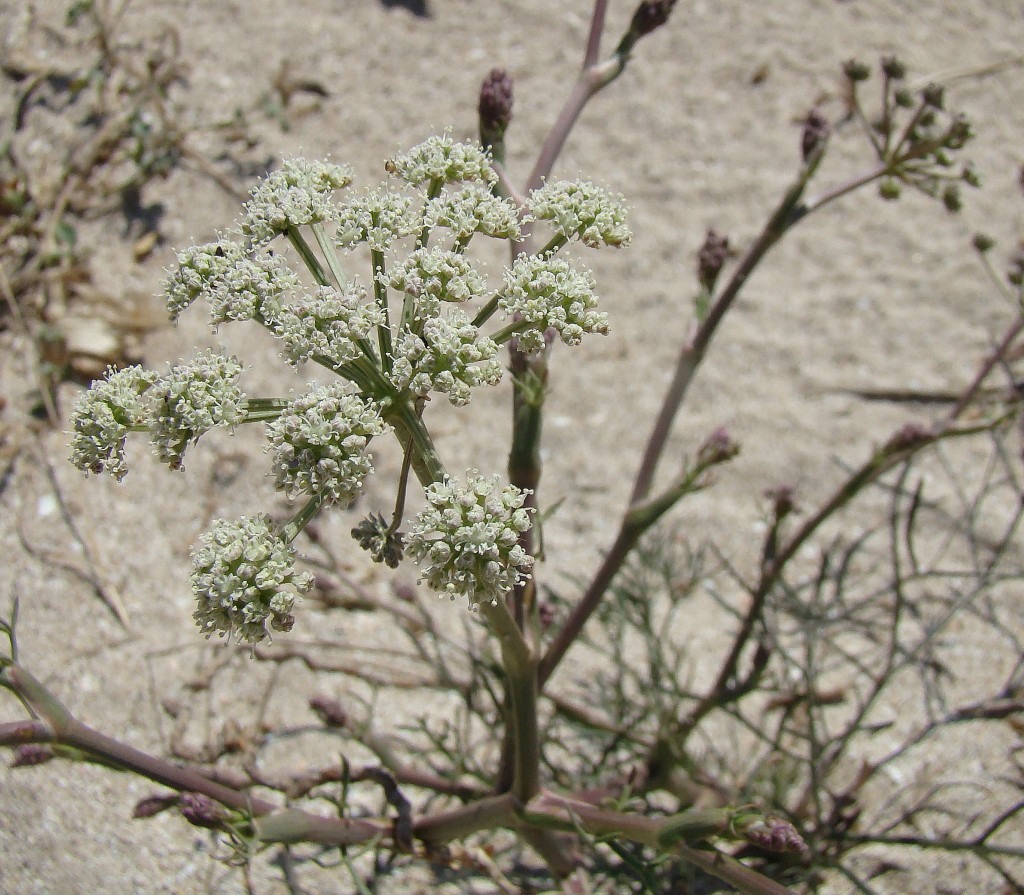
x=699 y=132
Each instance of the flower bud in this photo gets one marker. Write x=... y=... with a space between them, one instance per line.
x=889 y=189
x=650 y=14
x=856 y=70
x=495 y=107
x=982 y=243
x=934 y=95
x=903 y=98
x=951 y=198
x=773 y=834
x=30 y=754
x=910 y=436
x=711 y=258
x=815 y=133
x=718 y=448
x=202 y=811
x=783 y=500
x=893 y=68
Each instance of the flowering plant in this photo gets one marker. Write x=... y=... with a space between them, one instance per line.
x=393 y=344
x=379 y=293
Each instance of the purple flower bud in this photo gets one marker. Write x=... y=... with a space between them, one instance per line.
x=910 y=436
x=202 y=811
x=718 y=448
x=773 y=834
x=153 y=805
x=495 y=107
x=783 y=500
x=711 y=258
x=650 y=14
x=816 y=131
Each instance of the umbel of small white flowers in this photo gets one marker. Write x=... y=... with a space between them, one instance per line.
x=385 y=344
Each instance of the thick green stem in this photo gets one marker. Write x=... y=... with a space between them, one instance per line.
x=327 y=247
x=380 y=292
x=520 y=666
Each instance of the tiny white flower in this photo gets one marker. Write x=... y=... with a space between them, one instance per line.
x=105 y=415
x=193 y=398
x=447 y=355
x=296 y=194
x=551 y=293
x=439 y=159
x=319 y=443
x=469 y=537
x=473 y=209
x=243 y=577
x=579 y=208
x=326 y=324
x=378 y=219
x=435 y=275
x=198 y=273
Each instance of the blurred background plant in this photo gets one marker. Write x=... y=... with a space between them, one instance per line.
x=95 y=115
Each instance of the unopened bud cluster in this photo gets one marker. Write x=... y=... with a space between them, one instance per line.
x=386 y=343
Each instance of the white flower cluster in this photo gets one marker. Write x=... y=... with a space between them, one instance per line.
x=243 y=577
x=449 y=355
x=473 y=209
x=192 y=399
x=469 y=536
x=439 y=159
x=235 y=284
x=391 y=344
x=319 y=443
x=176 y=409
x=378 y=219
x=326 y=324
x=105 y=415
x=251 y=289
x=579 y=208
x=296 y=194
x=551 y=293
x=199 y=267
x=435 y=275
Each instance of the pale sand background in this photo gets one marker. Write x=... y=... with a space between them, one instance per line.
x=869 y=295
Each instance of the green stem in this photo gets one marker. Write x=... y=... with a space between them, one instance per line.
x=327 y=247
x=410 y=431
x=300 y=245
x=520 y=666
x=550 y=811
x=487 y=311
x=259 y=410
x=290 y=531
x=380 y=292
